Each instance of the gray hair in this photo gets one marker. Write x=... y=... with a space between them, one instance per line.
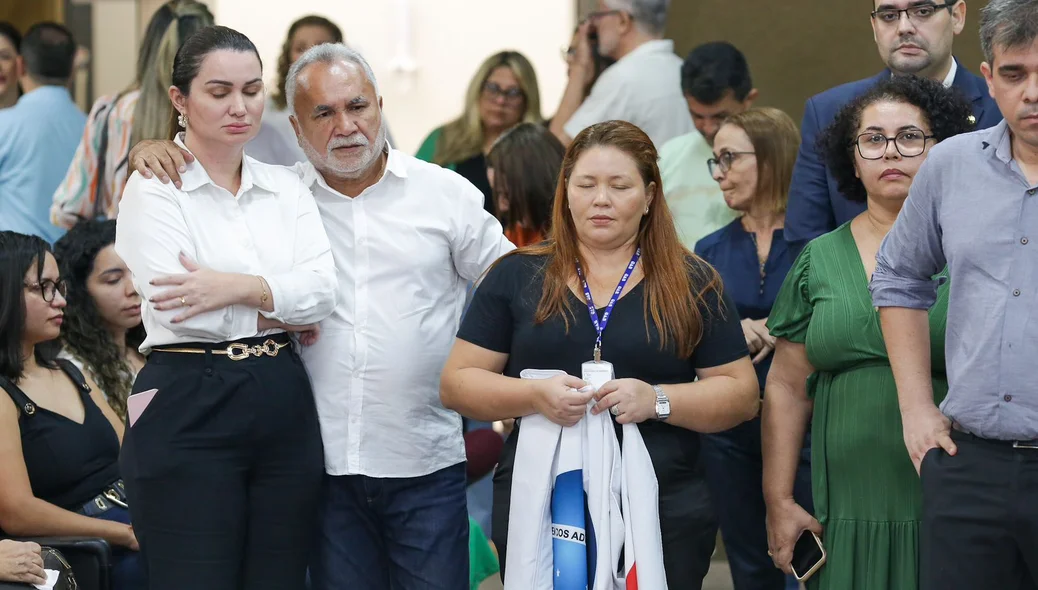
x=649 y=15
x=1007 y=23
x=325 y=53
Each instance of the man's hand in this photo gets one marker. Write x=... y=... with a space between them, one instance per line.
x=21 y=562
x=925 y=428
x=582 y=69
x=161 y=157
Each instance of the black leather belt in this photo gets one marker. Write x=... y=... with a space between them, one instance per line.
x=111 y=497
x=1015 y=444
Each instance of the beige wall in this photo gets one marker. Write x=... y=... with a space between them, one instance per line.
x=114 y=53
x=448 y=40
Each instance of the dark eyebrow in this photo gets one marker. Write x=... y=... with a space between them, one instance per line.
x=226 y=83
x=1010 y=69
x=910 y=5
x=112 y=271
x=358 y=100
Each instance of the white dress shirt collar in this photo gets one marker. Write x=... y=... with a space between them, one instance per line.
x=251 y=174
x=950 y=78
x=395 y=165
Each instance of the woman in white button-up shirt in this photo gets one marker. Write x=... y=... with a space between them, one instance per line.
x=224 y=462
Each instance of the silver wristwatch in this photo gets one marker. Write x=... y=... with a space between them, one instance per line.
x=662 y=403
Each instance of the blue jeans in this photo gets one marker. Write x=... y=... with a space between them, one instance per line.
x=393 y=533
x=127 y=566
x=733 y=472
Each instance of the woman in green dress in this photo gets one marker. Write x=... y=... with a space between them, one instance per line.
x=831 y=367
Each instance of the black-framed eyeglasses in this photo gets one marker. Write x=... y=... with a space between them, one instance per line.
x=724 y=161
x=47 y=288
x=918 y=14
x=909 y=143
x=493 y=91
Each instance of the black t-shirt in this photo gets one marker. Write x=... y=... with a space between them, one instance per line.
x=474 y=170
x=501 y=318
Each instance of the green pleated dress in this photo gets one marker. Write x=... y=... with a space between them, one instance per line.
x=866 y=491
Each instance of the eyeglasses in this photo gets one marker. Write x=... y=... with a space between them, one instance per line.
x=873 y=146
x=917 y=14
x=493 y=91
x=47 y=288
x=724 y=161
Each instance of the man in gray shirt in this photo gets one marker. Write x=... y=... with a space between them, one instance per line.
x=974 y=207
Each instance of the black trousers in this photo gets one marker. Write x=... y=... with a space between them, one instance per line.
x=980 y=517
x=223 y=471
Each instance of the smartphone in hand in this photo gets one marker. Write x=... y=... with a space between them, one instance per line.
x=808 y=556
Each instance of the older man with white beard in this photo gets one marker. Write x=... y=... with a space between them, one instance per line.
x=407 y=237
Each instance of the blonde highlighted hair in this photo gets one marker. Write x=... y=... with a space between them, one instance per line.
x=462 y=138
x=775 y=139
x=171 y=25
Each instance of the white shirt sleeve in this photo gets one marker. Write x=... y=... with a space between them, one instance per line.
x=603 y=104
x=150 y=235
x=307 y=293
x=478 y=239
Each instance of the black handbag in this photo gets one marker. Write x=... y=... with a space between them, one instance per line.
x=52 y=560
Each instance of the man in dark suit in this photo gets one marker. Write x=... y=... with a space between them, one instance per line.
x=913 y=37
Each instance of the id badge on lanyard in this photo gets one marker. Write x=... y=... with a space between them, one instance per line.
x=597 y=372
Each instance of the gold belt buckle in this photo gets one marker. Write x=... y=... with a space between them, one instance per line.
x=240 y=352
x=271 y=348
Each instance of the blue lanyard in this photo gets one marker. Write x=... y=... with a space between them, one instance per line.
x=600 y=325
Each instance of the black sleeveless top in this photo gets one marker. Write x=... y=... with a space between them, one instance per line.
x=68 y=463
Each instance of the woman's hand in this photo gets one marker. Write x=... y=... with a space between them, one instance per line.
x=160 y=157
x=560 y=400
x=199 y=290
x=767 y=341
x=21 y=562
x=786 y=520
x=635 y=400
x=129 y=539
x=308 y=335
x=753 y=339
x=925 y=428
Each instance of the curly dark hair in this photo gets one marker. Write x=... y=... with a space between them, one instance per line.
x=84 y=333
x=946 y=110
x=284 y=60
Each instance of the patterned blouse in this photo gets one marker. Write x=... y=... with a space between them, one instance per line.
x=74 y=198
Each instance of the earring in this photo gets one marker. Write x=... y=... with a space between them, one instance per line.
x=646 y=210
x=182 y=119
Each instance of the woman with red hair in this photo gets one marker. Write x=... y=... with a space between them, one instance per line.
x=676 y=349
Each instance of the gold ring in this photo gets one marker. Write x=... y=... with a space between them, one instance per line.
x=183 y=301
